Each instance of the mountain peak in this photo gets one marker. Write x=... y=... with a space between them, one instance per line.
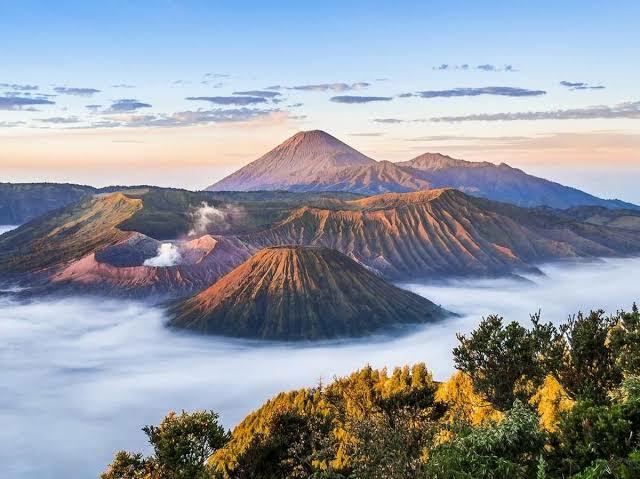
x=434 y=161
x=301 y=292
x=305 y=155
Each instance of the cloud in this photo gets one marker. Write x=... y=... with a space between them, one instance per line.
x=63 y=90
x=488 y=90
x=258 y=93
x=87 y=365
x=19 y=87
x=11 y=124
x=60 y=120
x=629 y=110
x=580 y=86
x=213 y=79
x=485 y=67
x=126 y=104
x=367 y=134
x=183 y=118
x=217 y=75
x=229 y=100
x=337 y=87
x=388 y=120
x=93 y=108
x=19 y=102
x=353 y=99
x=123 y=85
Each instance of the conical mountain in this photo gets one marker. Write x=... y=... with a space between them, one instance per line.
x=305 y=155
x=297 y=293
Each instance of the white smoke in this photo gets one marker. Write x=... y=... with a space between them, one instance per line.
x=204 y=217
x=168 y=255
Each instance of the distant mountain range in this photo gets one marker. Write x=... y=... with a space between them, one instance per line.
x=301 y=293
x=316 y=161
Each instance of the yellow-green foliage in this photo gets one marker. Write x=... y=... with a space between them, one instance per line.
x=464 y=404
x=345 y=400
x=550 y=400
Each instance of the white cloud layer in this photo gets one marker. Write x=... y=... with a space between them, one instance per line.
x=81 y=376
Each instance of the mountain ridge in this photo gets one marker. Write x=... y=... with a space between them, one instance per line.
x=306 y=162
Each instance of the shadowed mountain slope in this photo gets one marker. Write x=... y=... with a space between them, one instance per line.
x=501 y=183
x=445 y=232
x=21 y=202
x=295 y=293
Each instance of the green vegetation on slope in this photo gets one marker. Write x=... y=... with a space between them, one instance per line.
x=66 y=234
x=540 y=402
x=171 y=213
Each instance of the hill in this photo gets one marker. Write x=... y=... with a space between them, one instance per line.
x=294 y=293
x=21 y=202
x=66 y=234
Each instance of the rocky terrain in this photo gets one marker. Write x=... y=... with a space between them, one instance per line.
x=445 y=232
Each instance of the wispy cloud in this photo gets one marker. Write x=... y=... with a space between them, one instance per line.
x=125 y=105
x=182 y=118
x=60 y=120
x=354 y=99
x=93 y=108
x=629 y=110
x=336 y=87
x=63 y=90
x=488 y=90
x=485 y=67
x=580 y=85
x=19 y=87
x=229 y=100
x=259 y=93
x=123 y=85
x=11 y=124
x=19 y=102
x=213 y=79
x=217 y=75
x=388 y=121
x=377 y=133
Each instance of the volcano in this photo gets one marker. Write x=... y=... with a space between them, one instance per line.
x=301 y=293
x=305 y=155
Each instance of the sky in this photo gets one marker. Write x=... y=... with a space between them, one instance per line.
x=181 y=93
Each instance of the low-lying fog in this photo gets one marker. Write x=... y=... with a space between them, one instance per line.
x=79 y=377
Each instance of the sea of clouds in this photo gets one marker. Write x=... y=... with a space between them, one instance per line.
x=80 y=376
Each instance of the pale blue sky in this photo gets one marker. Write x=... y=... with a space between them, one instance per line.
x=515 y=109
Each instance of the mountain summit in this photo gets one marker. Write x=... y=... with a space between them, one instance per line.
x=316 y=161
x=304 y=156
x=297 y=293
